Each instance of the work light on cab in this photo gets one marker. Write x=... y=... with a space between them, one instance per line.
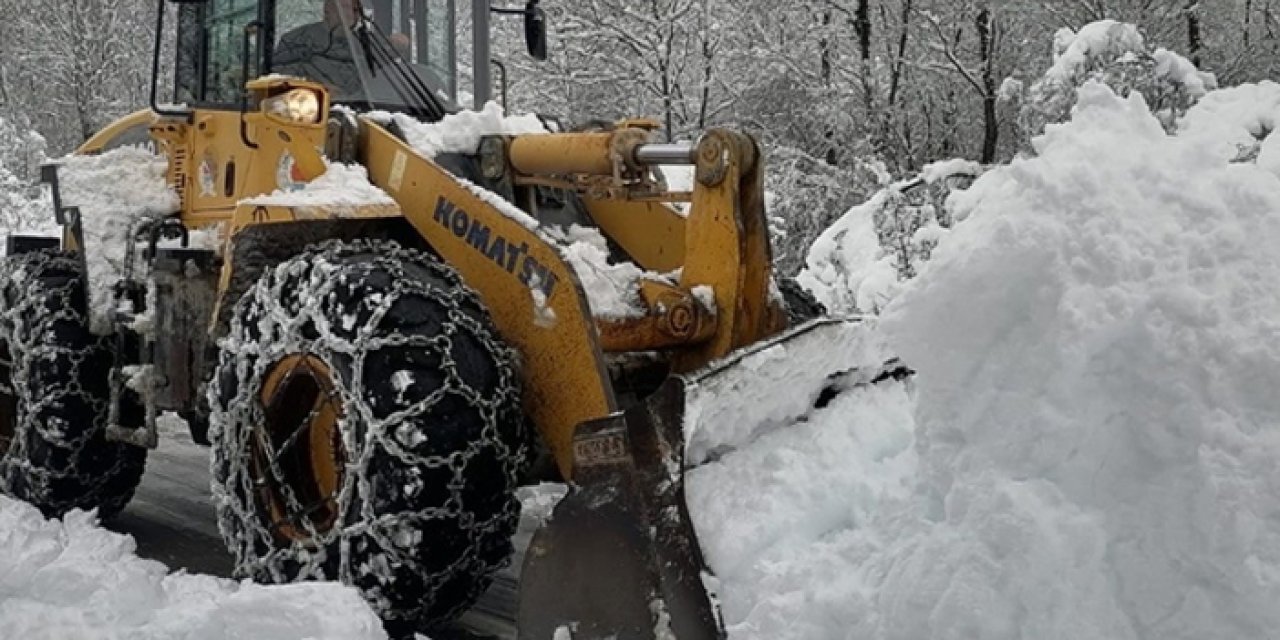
x=298 y=106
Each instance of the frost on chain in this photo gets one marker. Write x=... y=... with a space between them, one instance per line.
x=431 y=434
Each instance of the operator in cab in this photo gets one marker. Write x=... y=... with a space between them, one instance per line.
x=323 y=51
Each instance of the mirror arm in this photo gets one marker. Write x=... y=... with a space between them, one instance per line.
x=155 y=71
x=249 y=30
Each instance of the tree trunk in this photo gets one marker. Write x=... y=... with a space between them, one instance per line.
x=825 y=55
x=895 y=75
x=1248 y=19
x=986 y=46
x=1194 y=40
x=708 y=69
x=862 y=24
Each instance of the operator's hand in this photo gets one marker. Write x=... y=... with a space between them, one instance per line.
x=401 y=43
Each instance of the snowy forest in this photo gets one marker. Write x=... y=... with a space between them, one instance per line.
x=848 y=95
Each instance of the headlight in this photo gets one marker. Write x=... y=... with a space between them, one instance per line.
x=300 y=106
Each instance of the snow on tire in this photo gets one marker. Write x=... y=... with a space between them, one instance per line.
x=366 y=428
x=53 y=393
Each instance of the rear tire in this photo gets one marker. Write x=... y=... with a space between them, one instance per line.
x=54 y=394
x=401 y=477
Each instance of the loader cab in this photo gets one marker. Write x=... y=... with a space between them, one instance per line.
x=394 y=55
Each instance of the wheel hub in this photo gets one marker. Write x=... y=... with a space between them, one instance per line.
x=297 y=456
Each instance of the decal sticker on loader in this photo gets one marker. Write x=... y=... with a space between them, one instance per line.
x=205 y=176
x=288 y=176
x=397 y=170
x=512 y=258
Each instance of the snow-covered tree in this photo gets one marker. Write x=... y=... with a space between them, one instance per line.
x=73 y=67
x=912 y=214
x=806 y=196
x=24 y=204
x=1116 y=54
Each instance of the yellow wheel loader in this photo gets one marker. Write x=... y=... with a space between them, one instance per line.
x=375 y=376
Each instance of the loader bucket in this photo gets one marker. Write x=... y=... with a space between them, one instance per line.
x=619 y=557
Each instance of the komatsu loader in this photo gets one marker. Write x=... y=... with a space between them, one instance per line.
x=375 y=378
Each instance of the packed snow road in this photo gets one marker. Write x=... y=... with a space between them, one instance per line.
x=172 y=520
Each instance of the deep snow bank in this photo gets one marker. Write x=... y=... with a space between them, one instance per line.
x=1098 y=349
x=71 y=580
x=1097 y=423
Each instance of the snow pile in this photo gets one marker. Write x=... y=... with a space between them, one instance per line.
x=342 y=189
x=70 y=580
x=1097 y=344
x=116 y=192
x=781 y=520
x=461 y=132
x=1096 y=423
x=1239 y=121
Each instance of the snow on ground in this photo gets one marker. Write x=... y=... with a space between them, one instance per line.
x=71 y=580
x=115 y=191
x=1089 y=447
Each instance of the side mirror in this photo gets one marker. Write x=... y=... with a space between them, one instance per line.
x=535 y=30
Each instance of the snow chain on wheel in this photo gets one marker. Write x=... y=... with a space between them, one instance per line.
x=54 y=394
x=366 y=428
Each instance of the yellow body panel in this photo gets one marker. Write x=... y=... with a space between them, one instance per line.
x=730 y=250
x=531 y=292
x=137 y=121
x=218 y=158
x=652 y=233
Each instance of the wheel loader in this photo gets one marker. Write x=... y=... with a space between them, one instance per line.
x=375 y=378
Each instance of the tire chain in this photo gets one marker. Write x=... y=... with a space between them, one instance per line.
x=268 y=324
x=58 y=461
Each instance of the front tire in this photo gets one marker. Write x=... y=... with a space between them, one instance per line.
x=366 y=428
x=54 y=394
